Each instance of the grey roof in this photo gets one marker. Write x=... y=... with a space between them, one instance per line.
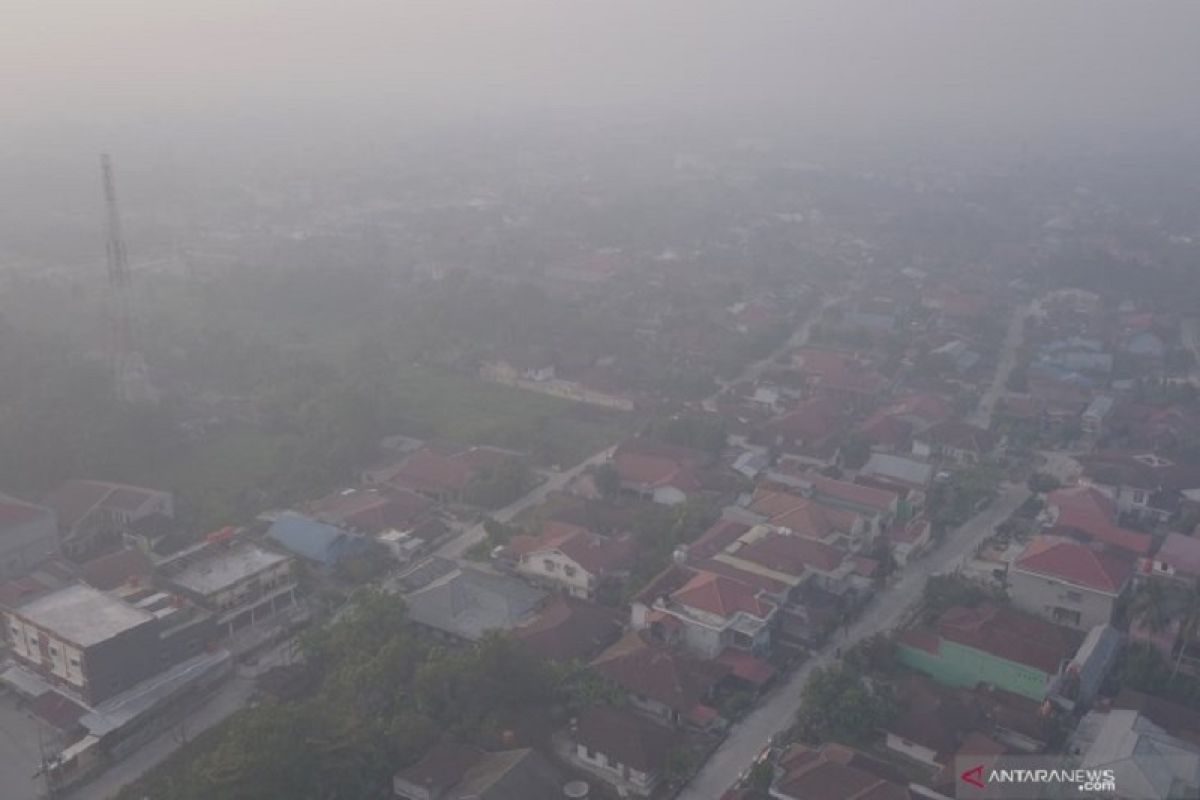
x=226 y=567
x=118 y=711
x=899 y=468
x=469 y=602
x=510 y=775
x=1099 y=407
x=1149 y=762
x=82 y=615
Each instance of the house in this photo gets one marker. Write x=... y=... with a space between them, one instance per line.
x=934 y=722
x=91 y=514
x=1086 y=513
x=240 y=583
x=810 y=431
x=466 y=603
x=625 y=749
x=1145 y=485
x=809 y=518
x=457 y=772
x=892 y=470
x=876 y=504
x=442 y=478
x=958 y=442
x=372 y=511
x=1178 y=558
x=567 y=629
x=1080 y=682
x=570 y=557
x=665 y=473
x=322 y=544
x=990 y=644
x=842 y=377
x=663 y=682
x=1067 y=582
x=837 y=772
x=1093 y=418
x=711 y=612
x=1147 y=761
x=28 y=536
x=85 y=641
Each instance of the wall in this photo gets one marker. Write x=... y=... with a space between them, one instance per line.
x=955 y=665
x=1040 y=595
x=912 y=750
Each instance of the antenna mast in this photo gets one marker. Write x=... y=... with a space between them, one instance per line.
x=129 y=369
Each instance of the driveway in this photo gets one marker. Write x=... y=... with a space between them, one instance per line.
x=776 y=712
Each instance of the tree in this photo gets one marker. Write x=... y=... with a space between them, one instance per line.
x=608 y=481
x=839 y=704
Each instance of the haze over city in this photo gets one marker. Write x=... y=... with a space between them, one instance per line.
x=532 y=399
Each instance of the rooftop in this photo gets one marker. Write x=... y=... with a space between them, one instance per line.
x=1075 y=563
x=469 y=602
x=226 y=567
x=83 y=615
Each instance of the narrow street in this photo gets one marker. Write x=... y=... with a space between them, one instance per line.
x=458 y=546
x=799 y=338
x=776 y=711
x=982 y=416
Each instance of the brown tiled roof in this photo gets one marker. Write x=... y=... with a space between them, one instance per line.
x=720 y=535
x=15 y=512
x=427 y=471
x=1086 y=511
x=370 y=510
x=594 y=553
x=721 y=596
x=75 y=499
x=961 y=436
x=1010 y=635
x=837 y=772
x=109 y=571
x=792 y=554
x=1075 y=563
x=568 y=629
x=675 y=679
x=442 y=767
x=626 y=738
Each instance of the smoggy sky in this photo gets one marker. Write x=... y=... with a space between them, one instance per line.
x=99 y=70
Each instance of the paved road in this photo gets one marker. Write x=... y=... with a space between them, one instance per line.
x=231 y=696
x=458 y=546
x=982 y=415
x=776 y=712
x=798 y=338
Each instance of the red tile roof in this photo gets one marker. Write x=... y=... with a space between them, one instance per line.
x=720 y=535
x=961 y=436
x=626 y=738
x=15 y=512
x=722 y=596
x=747 y=667
x=427 y=471
x=109 y=571
x=592 y=552
x=837 y=772
x=792 y=554
x=569 y=629
x=371 y=511
x=1088 y=511
x=812 y=421
x=1181 y=552
x=678 y=681
x=1007 y=634
x=880 y=500
x=1075 y=563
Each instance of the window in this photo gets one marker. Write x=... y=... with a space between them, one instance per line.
x=1075 y=597
x=570 y=571
x=549 y=565
x=1139 y=498
x=53 y=651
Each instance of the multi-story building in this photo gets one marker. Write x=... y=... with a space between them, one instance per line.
x=240 y=583
x=1067 y=582
x=85 y=641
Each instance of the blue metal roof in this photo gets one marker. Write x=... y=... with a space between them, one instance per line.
x=316 y=541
